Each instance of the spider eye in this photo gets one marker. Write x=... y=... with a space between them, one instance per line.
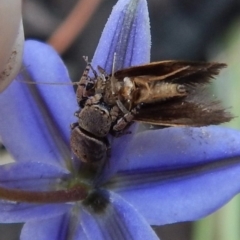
x=89 y=86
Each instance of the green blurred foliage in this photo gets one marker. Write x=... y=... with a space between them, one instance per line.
x=227 y=87
x=225 y=223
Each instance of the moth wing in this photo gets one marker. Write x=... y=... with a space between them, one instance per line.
x=193 y=110
x=174 y=71
x=198 y=74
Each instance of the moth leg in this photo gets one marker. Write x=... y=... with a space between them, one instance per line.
x=141 y=82
x=121 y=107
x=124 y=121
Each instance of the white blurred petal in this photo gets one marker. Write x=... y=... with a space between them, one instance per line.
x=11 y=40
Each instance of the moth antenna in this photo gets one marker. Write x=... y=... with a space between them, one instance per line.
x=113 y=79
x=23 y=70
x=114 y=62
x=48 y=83
x=103 y=77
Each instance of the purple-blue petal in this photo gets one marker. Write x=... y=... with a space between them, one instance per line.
x=182 y=174
x=57 y=228
x=127 y=33
x=32 y=176
x=13 y=212
x=62 y=227
x=52 y=228
x=119 y=220
x=172 y=148
x=181 y=198
x=35 y=119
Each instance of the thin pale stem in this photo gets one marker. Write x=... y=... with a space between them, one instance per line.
x=63 y=37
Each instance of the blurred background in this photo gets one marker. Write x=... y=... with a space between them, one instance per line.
x=181 y=29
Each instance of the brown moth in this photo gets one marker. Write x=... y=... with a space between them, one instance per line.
x=172 y=93
x=166 y=93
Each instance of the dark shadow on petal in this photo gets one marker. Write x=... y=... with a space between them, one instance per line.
x=52 y=126
x=145 y=178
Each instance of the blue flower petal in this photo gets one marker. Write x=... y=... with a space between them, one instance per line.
x=31 y=176
x=127 y=33
x=118 y=221
x=35 y=119
x=21 y=212
x=53 y=228
x=57 y=228
x=182 y=174
x=181 y=147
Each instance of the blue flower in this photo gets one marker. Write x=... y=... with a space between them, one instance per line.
x=153 y=177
